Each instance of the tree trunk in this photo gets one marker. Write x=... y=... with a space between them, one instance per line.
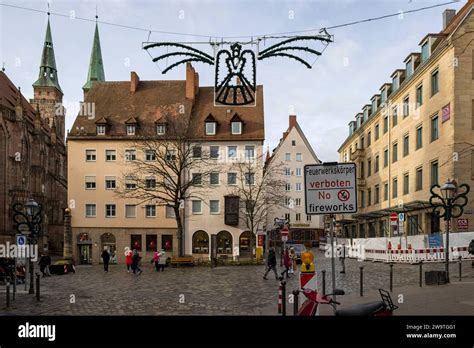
x=180 y=231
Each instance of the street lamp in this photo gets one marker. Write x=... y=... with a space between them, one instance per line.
x=29 y=216
x=451 y=205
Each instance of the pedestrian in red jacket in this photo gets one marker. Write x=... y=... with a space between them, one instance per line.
x=286 y=263
x=128 y=258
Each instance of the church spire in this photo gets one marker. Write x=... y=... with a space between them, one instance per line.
x=48 y=75
x=96 y=66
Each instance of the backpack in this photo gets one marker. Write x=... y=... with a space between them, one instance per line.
x=471 y=247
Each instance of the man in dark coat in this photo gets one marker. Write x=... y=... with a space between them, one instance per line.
x=271 y=264
x=471 y=250
x=106 y=258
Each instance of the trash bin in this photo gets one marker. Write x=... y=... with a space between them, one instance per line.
x=435 y=278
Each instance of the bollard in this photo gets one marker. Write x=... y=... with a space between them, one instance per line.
x=283 y=295
x=8 y=293
x=361 y=280
x=460 y=268
x=37 y=287
x=391 y=277
x=295 y=302
x=280 y=289
x=324 y=283
x=421 y=274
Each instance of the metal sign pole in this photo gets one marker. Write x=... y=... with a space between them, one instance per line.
x=333 y=260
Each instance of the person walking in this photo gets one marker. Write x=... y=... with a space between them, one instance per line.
x=136 y=262
x=128 y=258
x=286 y=263
x=292 y=260
x=43 y=264
x=342 y=258
x=162 y=260
x=105 y=258
x=156 y=260
x=470 y=249
x=271 y=263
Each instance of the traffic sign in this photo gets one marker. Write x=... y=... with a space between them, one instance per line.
x=463 y=224
x=284 y=238
x=284 y=231
x=393 y=219
x=401 y=217
x=20 y=239
x=330 y=188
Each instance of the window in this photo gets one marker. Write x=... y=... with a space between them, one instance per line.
x=167 y=242
x=434 y=83
x=197 y=179
x=150 y=183
x=369 y=168
x=395 y=83
x=130 y=155
x=288 y=171
x=406 y=107
x=434 y=128
x=377 y=194
x=385 y=191
x=425 y=51
x=419 y=179
x=100 y=129
x=362 y=142
x=232 y=152
x=214 y=152
x=419 y=137
x=130 y=129
x=394 y=152
x=130 y=183
x=214 y=206
x=288 y=157
x=308 y=218
x=298 y=186
x=160 y=129
x=136 y=241
x=385 y=158
x=287 y=201
x=130 y=211
x=231 y=207
x=110 y=183
x=413 y=225
x=214 y=178
x=210 y=128
x=298 y=217
x=151 y=242
x=406 y=184
x=197 y=207
x=394 y=116
x=376 y=166
x=299 y=157
x=369 y=197
x=91 y=210
x=236 y=127
x=287 y=217
x=394 y=188
x=150 y=155
x=406 y=145
x=232 y=178
x=170 y=155
x=293 y=143
x=110 y=210
x=90 y=155
x=169 y=212
x=298 y=202
x=249 y=152
x=197 y=151
x=287 y=187
x=434 y=173
x=249 y=178
x=150 y=210
x=362 y=199
x=409 y=68
x=110 y=155
x=377 y=131
x=374 y=106
x=90 y=183
x=419 y=96
x=298 y=172
x=369 y=138
x=385 y=124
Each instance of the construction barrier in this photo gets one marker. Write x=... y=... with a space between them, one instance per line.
x=417 y=255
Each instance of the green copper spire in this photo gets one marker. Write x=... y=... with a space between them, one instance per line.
x=48 y=75
x=96 y=66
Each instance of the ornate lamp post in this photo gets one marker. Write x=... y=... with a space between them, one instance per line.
x=449 y=206
x=28 y=217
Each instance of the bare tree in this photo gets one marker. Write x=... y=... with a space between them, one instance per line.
x=260 y=188
x=159 y=171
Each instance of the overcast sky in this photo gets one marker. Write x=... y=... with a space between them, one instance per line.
x=325 y=98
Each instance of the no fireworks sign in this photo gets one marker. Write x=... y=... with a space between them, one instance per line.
x=330 y=188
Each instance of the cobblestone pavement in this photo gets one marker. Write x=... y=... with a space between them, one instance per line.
x=226 y=290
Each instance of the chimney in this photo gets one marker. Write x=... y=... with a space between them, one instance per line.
x=190 y=82
x=196 y=83
x=292 y=121
x=447 y=17
x=134 y=81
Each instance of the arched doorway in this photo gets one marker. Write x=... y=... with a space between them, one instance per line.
x=107 y=241
x=84 y=243
x=224 y=243
x=200 y=242
x=245 y=249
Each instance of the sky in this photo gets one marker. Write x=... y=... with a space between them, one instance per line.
x=325 y=98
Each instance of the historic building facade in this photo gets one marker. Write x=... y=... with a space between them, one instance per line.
x=293 y=153
x=415 y=133
x=32 y=152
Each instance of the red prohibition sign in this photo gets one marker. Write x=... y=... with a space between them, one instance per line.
x=343 y=195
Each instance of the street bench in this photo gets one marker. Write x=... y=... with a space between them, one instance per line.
x=183 y=260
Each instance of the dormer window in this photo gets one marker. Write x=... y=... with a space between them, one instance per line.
x=100 y=129
x=409 y=67
x=395 y=82
x=425 y=51
x=210 y=125
x=236 y=127
x=160 y=129
x=130 y=129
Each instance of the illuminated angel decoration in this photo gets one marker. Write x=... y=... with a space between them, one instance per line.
x=235 y=69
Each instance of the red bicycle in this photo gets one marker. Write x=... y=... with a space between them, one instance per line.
x=385 y=307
